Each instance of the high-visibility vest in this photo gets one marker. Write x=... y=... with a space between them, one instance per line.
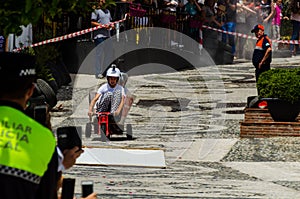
x=26 y=146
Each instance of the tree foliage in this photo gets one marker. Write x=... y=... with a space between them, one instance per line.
x=14 y=13
x=281 y=83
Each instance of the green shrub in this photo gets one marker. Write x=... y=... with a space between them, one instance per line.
x=280 y=83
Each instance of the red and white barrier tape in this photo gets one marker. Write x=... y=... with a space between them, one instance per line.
x=82 y=32
x=72 y=35
x=250 y=37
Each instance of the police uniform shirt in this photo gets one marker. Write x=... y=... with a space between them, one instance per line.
x=18 y=178
x=26 y=146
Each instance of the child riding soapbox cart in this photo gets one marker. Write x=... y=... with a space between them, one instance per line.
x=104 y=124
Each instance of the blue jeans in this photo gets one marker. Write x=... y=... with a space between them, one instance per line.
x=295 y=35
x=230 y=27
x=104 y=55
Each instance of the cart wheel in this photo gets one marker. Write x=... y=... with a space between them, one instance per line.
x=129 y=131
x=103 y=133
x=88 y=130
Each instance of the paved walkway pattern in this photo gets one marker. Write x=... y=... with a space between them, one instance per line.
x=194 y=116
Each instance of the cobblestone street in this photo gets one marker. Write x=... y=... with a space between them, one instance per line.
x=194 y=116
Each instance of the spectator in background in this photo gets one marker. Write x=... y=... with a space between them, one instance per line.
x=276 y=22
x=252 y=15
x=2 y=44
x=168 y=16
x=242 y=25
x=193 y=9
x=266 y=12
x=220 y=19
x=295 y=19
x=210 y=13
x=251 y=21
x=168 y=20
x=104 y=53
x=220 y=16
x=210 y=36
x=230 y=24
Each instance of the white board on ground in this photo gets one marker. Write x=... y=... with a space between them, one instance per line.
x=153 y=158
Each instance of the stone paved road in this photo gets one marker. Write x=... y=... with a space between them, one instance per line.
x=194 y=117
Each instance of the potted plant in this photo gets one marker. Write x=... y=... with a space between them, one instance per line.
x=281 y=89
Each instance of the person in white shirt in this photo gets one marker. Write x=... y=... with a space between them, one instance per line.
x=110 y=96
x=104 y=52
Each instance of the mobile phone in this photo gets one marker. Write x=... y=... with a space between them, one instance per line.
x=68 y=187
x=40 y=114
x=87 y=187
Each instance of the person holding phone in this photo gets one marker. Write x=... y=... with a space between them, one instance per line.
x=67 y=185
x=62 y=159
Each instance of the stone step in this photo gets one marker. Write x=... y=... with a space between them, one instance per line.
x=269 y=129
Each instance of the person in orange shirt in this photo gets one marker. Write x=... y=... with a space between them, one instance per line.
x=262 y=55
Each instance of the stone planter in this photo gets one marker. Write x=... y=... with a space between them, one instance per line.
x=282 y=111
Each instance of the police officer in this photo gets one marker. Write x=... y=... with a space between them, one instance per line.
x=26 y=146
x=262 y=55
x=30 y=162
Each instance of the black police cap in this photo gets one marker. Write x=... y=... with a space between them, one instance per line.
x=16 y=65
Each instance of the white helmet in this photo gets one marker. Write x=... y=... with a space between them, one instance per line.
x=113 y=71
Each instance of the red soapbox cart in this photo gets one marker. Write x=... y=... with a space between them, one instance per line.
x=105 y=125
